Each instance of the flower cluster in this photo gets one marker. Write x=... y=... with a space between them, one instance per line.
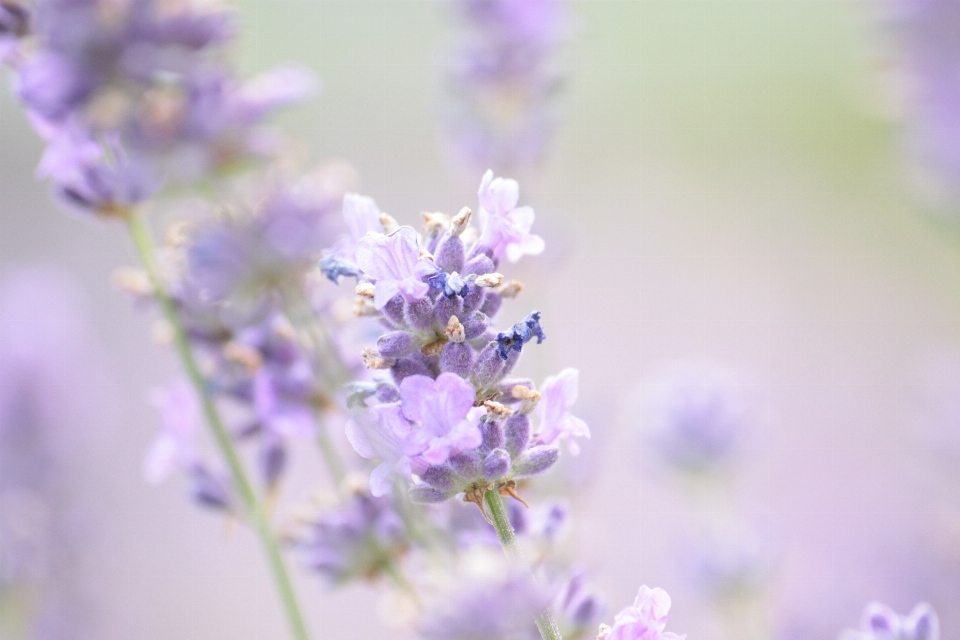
x=131 y=94
x=358 y=539
x=645 y=620
x=235 y=281
x=503 y=78
x=880 y=622
x=451 y=416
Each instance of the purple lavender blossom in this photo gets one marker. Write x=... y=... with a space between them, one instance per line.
x=359 y=539
x=505 y=227
x=441 y=407
x=382 y=433
x=393 y=261
x=645 y=620
x=143 y=82
x=503 y=80
x=880 y=622
x=454 y=422
x=558 y=393
x=362 y=216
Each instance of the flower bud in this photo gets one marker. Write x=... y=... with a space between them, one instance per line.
x=467 y=465
x=491 y=303
x=496 y=464
x=492 y=434
x=516 y=431
x=478 y=265
x=393 y=311
x=419 y=314
x=535 y=460
x=441 y=478
x=272 y=459
x=450 y=254
x=457 y=357
x=395 y=344
x=487 y=367
x=425 y=494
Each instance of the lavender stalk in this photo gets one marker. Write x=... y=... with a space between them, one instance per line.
x=143 y=242
x=508 y=540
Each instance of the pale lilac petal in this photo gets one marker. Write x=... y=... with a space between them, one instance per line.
x=362 y=215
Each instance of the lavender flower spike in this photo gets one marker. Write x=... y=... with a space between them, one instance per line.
x=645 y=620
x=505 y=227
x=880 y=622
x=558 y=393
x=394 y=261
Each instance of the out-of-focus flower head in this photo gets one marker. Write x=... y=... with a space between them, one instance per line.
x=645 y=620
x=358 y=539
x=503 y=76
x=880 y=622
x=696 y=417
x=451 y=417
x=272 y=244
x=490 y=608
x=132 y=94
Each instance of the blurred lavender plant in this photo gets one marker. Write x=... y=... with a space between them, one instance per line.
x=503 y=79
x=132 y=94
x=42 y=360
x=880 y=622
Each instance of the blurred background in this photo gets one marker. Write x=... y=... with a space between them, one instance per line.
x=731 y=183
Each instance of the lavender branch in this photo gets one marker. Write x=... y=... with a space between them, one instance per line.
x=511 y=547
x=140 y=233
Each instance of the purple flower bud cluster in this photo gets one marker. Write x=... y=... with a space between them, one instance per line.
x=358 y=539
x=130 y=95
x=880 y=622
x=451 y=417
x=503 y=79
x=645 y=620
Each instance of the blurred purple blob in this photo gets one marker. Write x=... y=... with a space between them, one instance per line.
x=930 y=37
x=502 y=80
x=131 y=95
x=696 y=417
x=491 y=609
x=46 y=370
x=358 y=539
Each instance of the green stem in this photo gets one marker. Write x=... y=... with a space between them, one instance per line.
x=140 y=233
x=508 y=540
